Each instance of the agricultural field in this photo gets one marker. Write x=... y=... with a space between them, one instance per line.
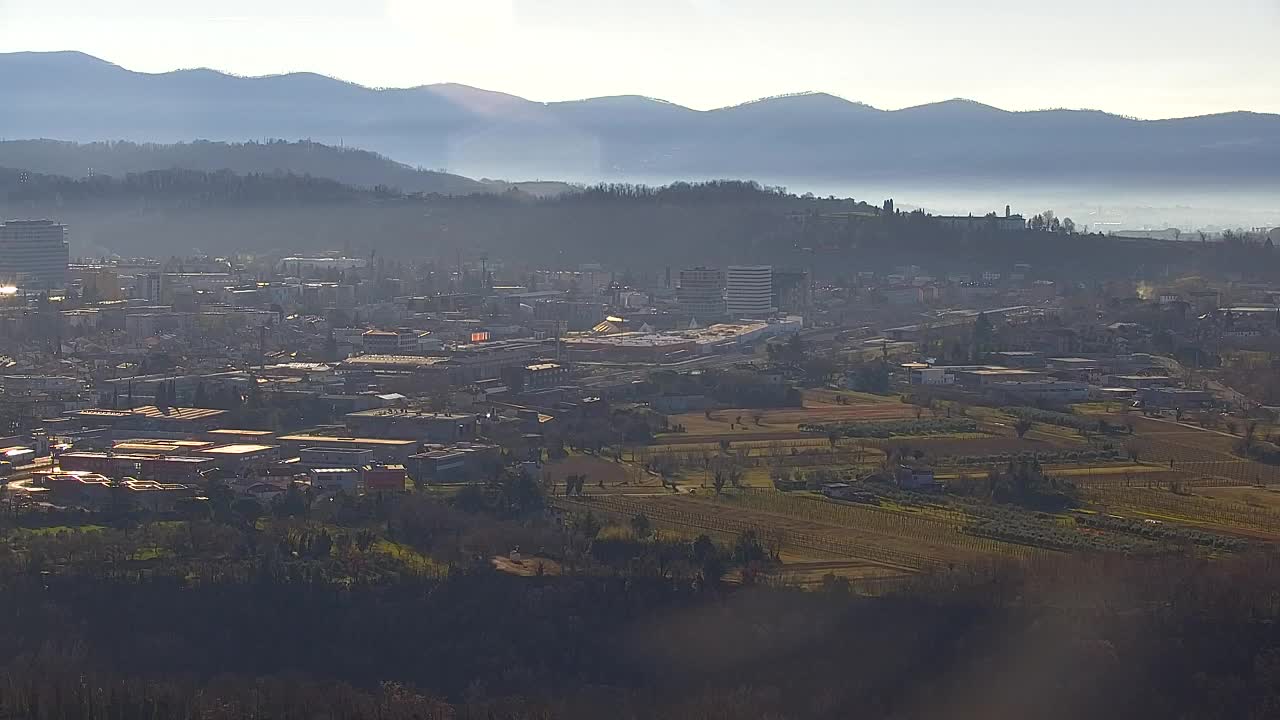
x=915 y=533
x=1198 y=508
x=1138 y=485
x=819 y=406
x=1202 y=453
x=754 y=454
x=810 y=537
x=615 y=476
x=981 y=444
x=1265 y=498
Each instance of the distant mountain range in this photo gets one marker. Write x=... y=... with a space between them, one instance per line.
x=814 y=137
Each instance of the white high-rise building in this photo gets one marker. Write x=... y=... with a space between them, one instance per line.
x=701 y=294
x=33 y=254
x=750 y=291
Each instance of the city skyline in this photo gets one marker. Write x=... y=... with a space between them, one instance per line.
x=703 y=54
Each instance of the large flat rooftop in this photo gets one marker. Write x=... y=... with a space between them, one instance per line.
x=320 y=440
x=393 y=362
x=238 y=449
x=408 y=414
x=152 y=412
x=240 y=433
x=988 y=372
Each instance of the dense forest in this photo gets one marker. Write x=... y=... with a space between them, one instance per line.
x=387 y=608
x=624 y=226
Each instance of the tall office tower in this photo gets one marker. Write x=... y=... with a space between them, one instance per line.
x=750 y=291
x=33 y=254
x=701 y=294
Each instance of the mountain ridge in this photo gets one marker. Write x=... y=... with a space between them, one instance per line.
x=294 y=74
x=483 y=133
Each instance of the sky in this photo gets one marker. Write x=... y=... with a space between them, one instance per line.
x=1142 y=58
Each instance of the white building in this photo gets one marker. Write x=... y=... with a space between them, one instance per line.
x=404 y=341
x=633 y=300
x=296 y=265
x=930 y=376
x=701 y=294
x=344 y=479
x=750 y=291
x=33 y=254
x=150 y=286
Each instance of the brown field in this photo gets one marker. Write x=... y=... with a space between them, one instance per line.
x=822 y=396
x=1144 y=426
x=1208 y=486
x=816 y=529
x=617 y=477
x=775 y=422
x=1209 y=455
x=1261 y=498
x=985 y=445
x=1205 y=507
x=750 y=434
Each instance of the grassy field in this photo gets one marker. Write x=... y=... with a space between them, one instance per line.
x=410 y=557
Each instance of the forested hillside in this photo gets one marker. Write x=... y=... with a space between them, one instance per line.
x=345 y=165
x=389 y=609
x=624 y=226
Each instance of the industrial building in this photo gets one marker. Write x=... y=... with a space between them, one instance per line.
x=238 y=457
x=989 y=374
x=96 y=491
x=1170 y=398
x=150 y=417
x=162 y=468
x=345 y=479
x=326 y=456
x=409 y=424
x=385 y=478
x=457 y=463
x=386 y=450
x=1053 y=392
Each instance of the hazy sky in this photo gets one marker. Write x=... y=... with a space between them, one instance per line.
x=1145 y=58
